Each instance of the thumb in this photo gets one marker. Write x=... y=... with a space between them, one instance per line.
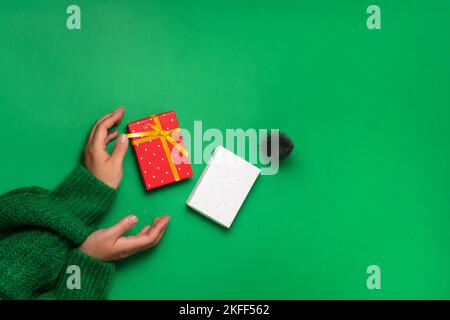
x=120 y=149
x=122 y=226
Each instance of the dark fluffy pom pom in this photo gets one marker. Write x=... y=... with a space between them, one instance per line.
x=285 y=145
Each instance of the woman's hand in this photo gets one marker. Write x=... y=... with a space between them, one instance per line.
x=110 y=244
x=104 y=166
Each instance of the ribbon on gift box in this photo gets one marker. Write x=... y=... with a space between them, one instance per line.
x=157 y=132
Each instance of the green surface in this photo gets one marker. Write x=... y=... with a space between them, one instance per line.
x=369 y=112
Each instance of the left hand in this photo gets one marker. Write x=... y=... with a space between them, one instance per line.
x=104 y=166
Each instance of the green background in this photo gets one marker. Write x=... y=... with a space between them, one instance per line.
x=369 y=112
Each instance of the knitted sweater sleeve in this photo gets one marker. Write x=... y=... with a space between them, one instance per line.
x=71 y=210
x=69 y=213
x=84 y=199
x=82 y=278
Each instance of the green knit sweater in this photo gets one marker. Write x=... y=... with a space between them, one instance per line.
x=40 y=232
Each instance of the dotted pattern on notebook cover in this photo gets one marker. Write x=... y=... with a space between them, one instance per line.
x=223 y=186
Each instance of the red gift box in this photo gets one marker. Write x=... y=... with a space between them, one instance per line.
x=159 y=150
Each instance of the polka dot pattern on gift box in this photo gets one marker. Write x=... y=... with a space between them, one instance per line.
x=152 y=160
x=223 y=186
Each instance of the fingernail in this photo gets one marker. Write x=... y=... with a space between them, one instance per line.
x=122 y=138
x=132 y=219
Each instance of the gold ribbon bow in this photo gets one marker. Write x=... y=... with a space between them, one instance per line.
x=157 y=132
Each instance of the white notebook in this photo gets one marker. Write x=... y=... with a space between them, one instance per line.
x=223 y=186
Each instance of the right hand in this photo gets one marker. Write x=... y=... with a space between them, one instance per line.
x=110 y=244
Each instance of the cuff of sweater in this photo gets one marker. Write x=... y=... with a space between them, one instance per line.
x=84 y=278
x=84 y=196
